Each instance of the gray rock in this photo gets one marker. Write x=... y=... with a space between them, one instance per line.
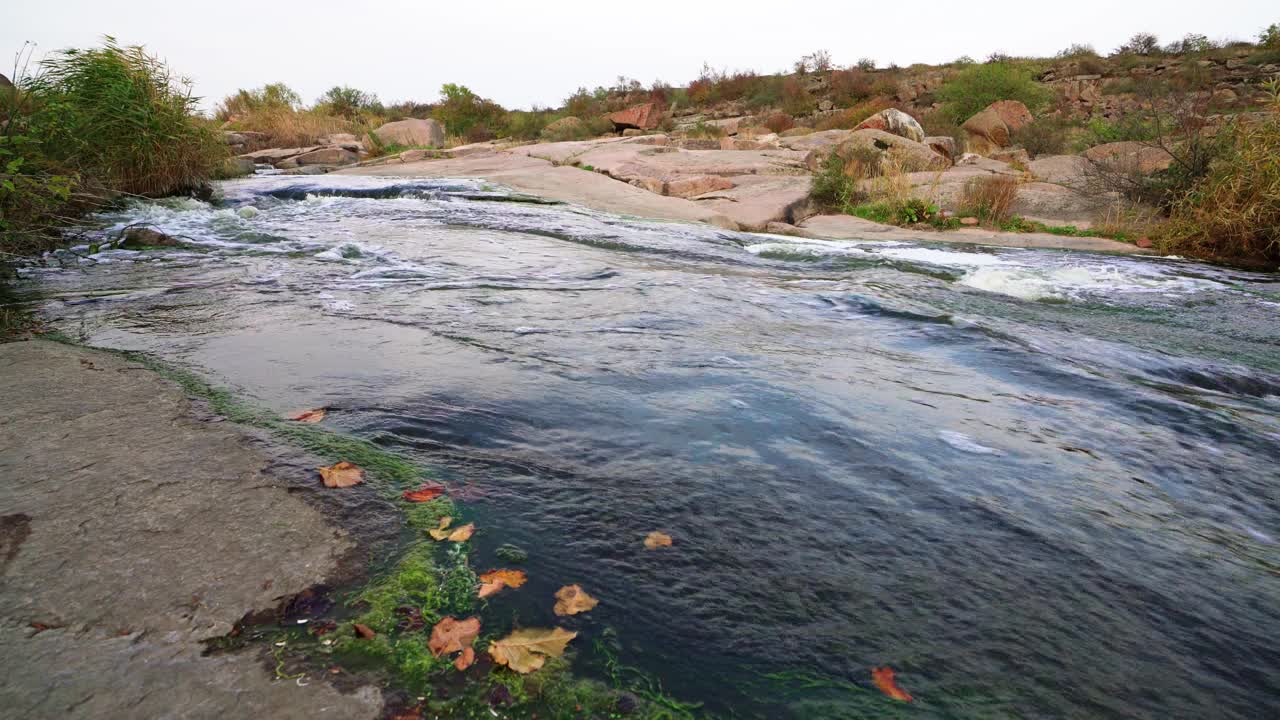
x=420 y=133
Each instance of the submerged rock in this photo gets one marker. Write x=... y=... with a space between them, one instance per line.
x=140 y=237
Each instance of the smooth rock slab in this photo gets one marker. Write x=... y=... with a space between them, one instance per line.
x=136 y=530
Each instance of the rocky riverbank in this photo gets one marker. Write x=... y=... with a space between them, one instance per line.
x=138 y=527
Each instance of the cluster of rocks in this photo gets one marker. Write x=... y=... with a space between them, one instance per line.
x=332 y=151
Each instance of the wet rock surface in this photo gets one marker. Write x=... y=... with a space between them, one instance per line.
x=133 y=531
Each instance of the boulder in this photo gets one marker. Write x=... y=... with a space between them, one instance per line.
x=1130 y=156
x=1068 y=170
x=237 y=167
x=424 y=133
x=913 y=156
x=275 y=155
x=566 y=128
x=893 y=120
x=1013 y=156
x=4 y=82
x=992 y=127
x=689 y=186
x=644 y=117
x=140 y=237
x=327 y=156
x=944 y=145
x=813 y=140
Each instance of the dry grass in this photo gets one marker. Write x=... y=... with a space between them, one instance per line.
x=289 y=128
x=1233 y=212
x=852 y=117
x=990 y=199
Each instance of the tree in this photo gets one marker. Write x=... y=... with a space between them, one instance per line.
x=1142 y=43
x=346 y=101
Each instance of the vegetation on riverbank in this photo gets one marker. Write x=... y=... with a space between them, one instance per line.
x=89 y=126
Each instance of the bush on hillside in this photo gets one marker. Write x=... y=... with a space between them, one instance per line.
x=1045 y=135
x=796 y=99
x=849 y=87
x=779 y=122
x=977 y=86
x=1142 y=43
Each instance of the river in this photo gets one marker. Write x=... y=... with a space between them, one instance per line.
x=1035 y=483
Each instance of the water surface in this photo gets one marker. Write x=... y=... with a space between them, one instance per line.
x=1037 y=484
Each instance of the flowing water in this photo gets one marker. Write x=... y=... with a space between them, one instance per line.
x=1036 y=484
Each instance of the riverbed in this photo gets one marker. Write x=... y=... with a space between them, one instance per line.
x=1034 y=483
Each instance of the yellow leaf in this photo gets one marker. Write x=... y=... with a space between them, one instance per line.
x=572 y=599
x=341 y=475
x=494 y=580
x=526 y=650
x=308 y=416
x=656 y=540
x=439 y=532
x=462 y=534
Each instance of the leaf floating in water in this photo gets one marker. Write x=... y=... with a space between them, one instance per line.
x=462 y=534
x=439 y=532
x=341 y=475
x=465 y=660
x=883 y=678
x=425 y=492
x=494 y=580
x=526 y=650
x=451 y=635
x=364 y=631
x=309 y=416
x=572 y=599
x=656 y=540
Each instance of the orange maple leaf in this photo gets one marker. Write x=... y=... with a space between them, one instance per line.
x=883 y=678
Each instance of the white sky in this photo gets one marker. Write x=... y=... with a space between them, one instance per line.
x=530 y=52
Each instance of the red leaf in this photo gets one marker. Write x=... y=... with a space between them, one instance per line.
x=424 y=493
x=883 y=678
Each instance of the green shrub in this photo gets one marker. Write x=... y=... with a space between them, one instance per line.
x=117 y=114
x=1142 y=43
x=1270 y=37
x=1045 y=135
x=1129 y=127
x=1232 y=212
x=91 y=124
x=272 y=96
x=977 y=86
x=347 y=102
x=526 y=125
x=460 y=110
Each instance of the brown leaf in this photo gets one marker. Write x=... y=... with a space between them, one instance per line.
x=341 y=475
x=308 y=416
x=425 y=492
x=462 y=534
x=656 y=540
x=494 y=580
x=451 y=635
x=465 y=660
x=883 y=678
x=364 y=631
x=572 y=599
x=526 y=650
x=439 y=532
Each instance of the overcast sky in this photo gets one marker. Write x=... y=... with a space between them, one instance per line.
x=528 y=52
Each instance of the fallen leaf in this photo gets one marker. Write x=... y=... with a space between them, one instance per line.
x=572 y=599
x=465 y=660
x=308 y=416
x=883 y=678
x=526 y=650
x=439 y=532
x=463 y=533
x=451 y=635
x=657 y=539
x=364 y=631
x=341 y=475
x=424 y=493
x=494 y=580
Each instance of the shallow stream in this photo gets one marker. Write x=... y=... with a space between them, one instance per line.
x=1035 y=483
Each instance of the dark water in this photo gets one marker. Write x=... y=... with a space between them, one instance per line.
x=1036 y=484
